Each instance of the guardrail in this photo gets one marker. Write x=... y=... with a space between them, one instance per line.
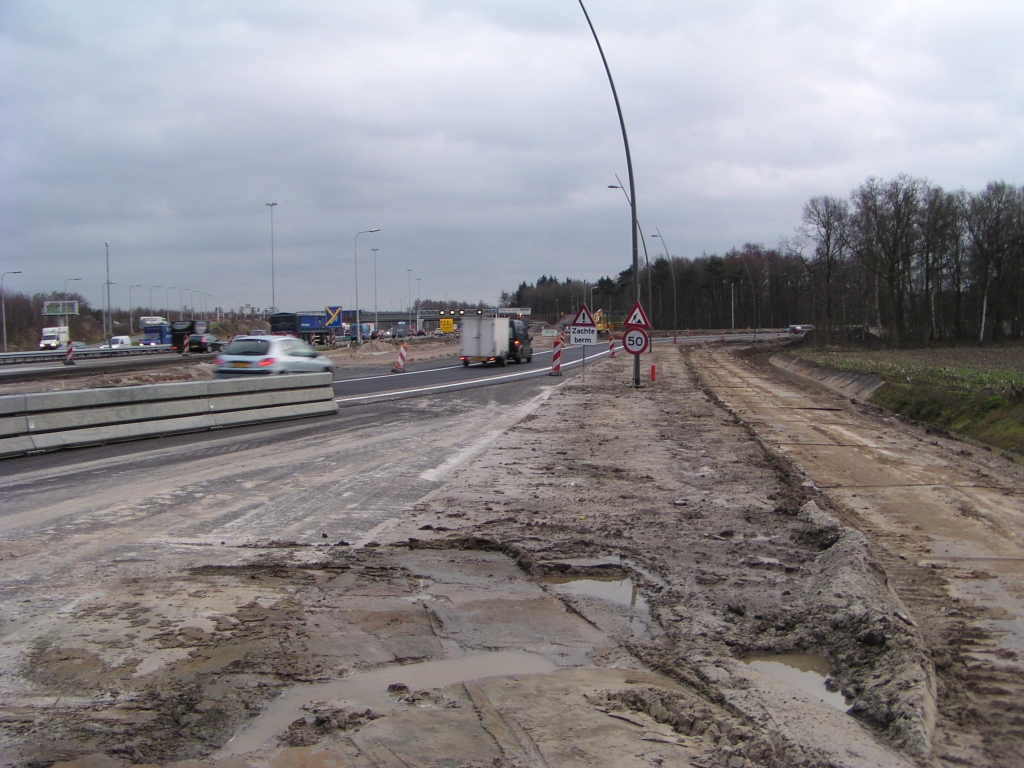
x=44 y=356
x=54 y=420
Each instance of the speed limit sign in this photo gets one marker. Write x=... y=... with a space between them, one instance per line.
x=635 y=341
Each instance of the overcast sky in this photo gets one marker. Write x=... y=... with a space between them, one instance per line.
x=479 y=135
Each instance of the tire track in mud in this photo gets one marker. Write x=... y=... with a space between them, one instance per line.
x=979 y=699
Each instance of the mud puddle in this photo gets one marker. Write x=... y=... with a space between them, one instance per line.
x=806 y=672
x=615 y=588
x=376 y=690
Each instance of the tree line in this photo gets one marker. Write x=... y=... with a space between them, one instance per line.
x=902 y=259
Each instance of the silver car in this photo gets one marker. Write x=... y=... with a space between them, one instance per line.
x=257 y=355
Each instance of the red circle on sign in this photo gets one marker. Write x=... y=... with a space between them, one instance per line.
x=635 y=341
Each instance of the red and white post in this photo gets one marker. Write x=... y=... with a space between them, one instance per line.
x=556 y=357
x=69 y=354
x=403 y=352
x=611 y=345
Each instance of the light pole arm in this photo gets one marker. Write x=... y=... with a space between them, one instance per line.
x=629 y=171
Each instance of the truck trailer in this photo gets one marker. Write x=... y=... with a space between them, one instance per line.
x=494 y=340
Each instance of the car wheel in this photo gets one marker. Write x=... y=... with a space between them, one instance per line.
x=502 y=361
x=465 y=363
x=529 y=358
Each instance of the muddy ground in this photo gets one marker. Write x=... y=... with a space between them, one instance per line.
x=604 y=584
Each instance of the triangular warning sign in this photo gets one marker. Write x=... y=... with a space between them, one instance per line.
x=637 y=318
x=584 y=318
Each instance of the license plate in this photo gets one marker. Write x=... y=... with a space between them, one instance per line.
x=239 y=364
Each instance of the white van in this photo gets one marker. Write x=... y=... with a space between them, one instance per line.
x=116 y=342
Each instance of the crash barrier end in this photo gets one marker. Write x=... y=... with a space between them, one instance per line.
x=55 y=420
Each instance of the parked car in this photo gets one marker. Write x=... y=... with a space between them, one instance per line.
x=204 y=342
x=260 y=355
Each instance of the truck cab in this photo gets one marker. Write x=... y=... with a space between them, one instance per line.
x=520 y=347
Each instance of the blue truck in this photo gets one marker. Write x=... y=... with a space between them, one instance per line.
x=311 y=327
x=156 y=334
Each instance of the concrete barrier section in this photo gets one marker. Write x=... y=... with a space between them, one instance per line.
x=54 y=420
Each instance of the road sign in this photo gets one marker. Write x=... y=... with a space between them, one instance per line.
x=637 y=318
x=59 y=308
x=582 y=334
x=447 y=325
x=636 y=341
x=333 y=319
x=584 y=318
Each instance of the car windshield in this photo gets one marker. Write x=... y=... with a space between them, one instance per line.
x=254 y=347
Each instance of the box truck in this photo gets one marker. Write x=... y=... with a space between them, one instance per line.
x=55 y=337
x=494 y=340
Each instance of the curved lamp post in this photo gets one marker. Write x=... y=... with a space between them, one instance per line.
x=672 y=272
x=359 y=328
x=632 y=185
x=167 y=300
x=643 y=241
x=3 y=302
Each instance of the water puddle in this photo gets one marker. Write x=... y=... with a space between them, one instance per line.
x=370 y=689
x=614 y=587
x=806 y=672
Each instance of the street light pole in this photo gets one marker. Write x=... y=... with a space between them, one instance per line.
x=632 y=185
x=643 y=241
x=273 y=292
x=151 y=307
x=3 y=303
x=409 y=305
x=672 y=272
x=181 y=303
x=109 y=318
x=359 y=327
x=192 y=303
x=376 y=323
x=130 y=306
x=167 y=300
x=418 y=321
x=69 y=280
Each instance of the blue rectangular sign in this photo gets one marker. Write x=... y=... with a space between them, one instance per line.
x=333 y=317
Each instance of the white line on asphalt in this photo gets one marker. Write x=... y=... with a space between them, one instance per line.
x=457 y=384
x=408 y=373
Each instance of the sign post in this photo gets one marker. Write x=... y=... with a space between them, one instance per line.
x=582 y=332
x=636 y=340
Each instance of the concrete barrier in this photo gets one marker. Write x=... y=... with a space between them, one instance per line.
x=54 y=420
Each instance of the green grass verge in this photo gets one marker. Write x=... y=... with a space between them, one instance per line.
x=974 y=391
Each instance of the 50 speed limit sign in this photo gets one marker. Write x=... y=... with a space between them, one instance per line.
x=636 y=341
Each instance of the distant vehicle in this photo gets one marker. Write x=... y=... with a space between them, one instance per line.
x=401 y=330
x=800 y=328
x=265 y=355
x=54 y=337
x=117 y=342
x=365 y=328
x=152 y=320
x=495 y=340
x=438 y=332
x=309 y=326
x=153 y=334
x=182 y=329
x=204 y=342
